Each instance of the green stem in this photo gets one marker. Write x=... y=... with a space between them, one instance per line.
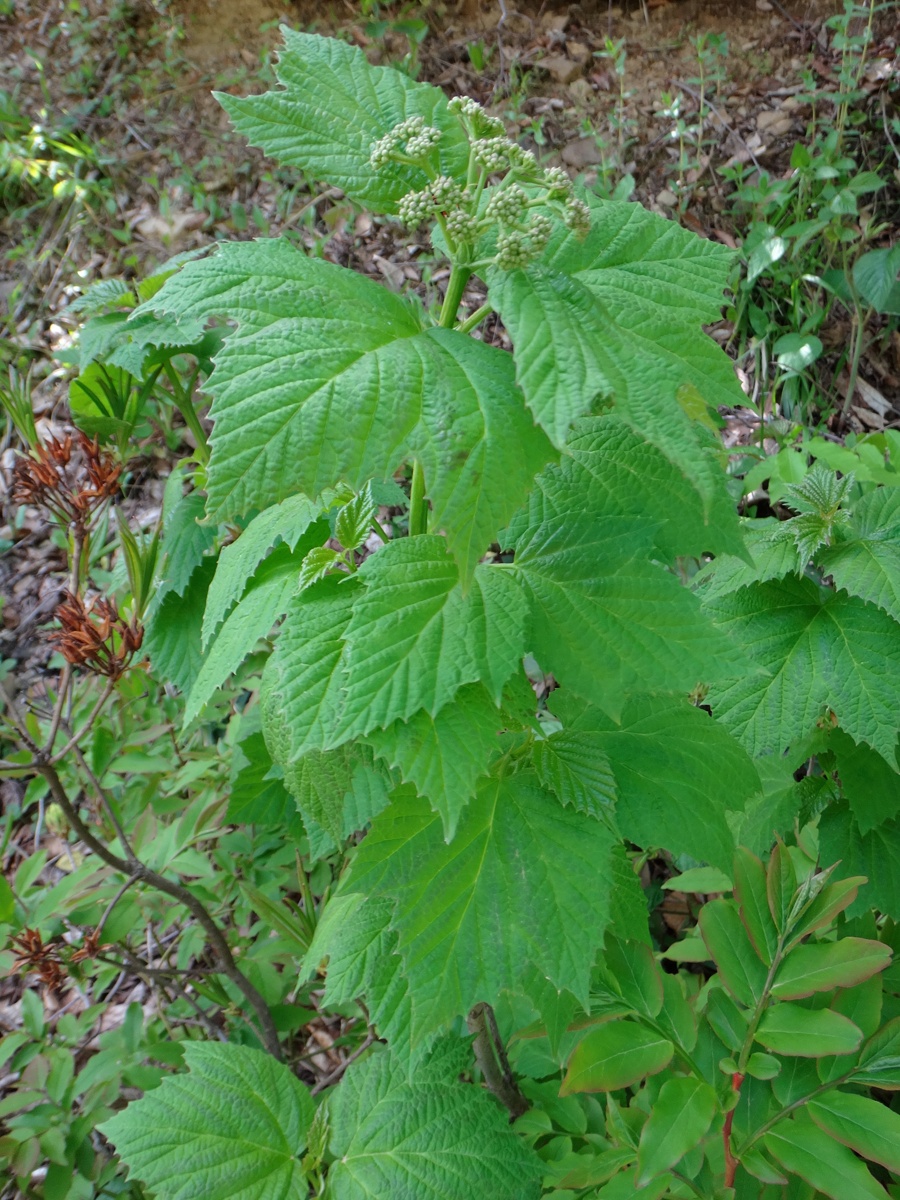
x=418 y=509
x=772 y=1121
x=459 y=277
x=858 y=326
x=185 y=405
x=475 y=318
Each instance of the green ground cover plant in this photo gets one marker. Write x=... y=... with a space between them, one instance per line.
x=494 y=610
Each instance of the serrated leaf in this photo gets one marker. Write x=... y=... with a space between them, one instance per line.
x=333 y=105
x=252 y=618
x=770 y=557
x=676 y=771
x=799 y=1032
x=234 y=1128
x=870 y=784
x=319 y=348
x=802 y=1148
x=615 y=1055
x=285 y=522
x=875 y=855
x=865 y=560
x=319 y=783
x=422 y=1136
x=869 y=1128
x=629 y=913
x=522 y=872
x=172 y=633
x=819 y=968
x=316 y=565
x=586 y=320
x=257 y=795
x=353 y=522
x=444 y=755
x=303 y=677
x=816 y=650
x=615 y=472
x=681 y=1116
x=574 y=767
x=185 y=542
x=604 y=619
x=413 y=639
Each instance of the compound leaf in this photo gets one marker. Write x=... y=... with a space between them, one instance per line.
x=234 y=1128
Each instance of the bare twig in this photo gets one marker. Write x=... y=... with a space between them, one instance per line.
x=85 y=728
x=131 y=865
x=339 y=1070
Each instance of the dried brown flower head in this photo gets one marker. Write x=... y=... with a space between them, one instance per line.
x=90 y=947
x=94 y=636
x=71 y=478
x=38 y=957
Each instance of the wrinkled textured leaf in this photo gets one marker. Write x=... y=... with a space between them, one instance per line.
x=333 y=105
x=185 y=542
x=422 y=1136
x=172 y=632
x=234 y=1128
x=575 y=769
x=875 y=854
x=523 y=876
x=820 y=650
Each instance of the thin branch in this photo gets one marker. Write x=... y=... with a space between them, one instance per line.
x=131 y=865
x=76 y=737
x=65 y=679
x=342 y=1067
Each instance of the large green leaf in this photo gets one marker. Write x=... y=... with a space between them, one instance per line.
x=172 y=634
x=616 y=472
x=607 y=621
x=870 y=784
x=820 y=967
x=865 y=560
x=286 y=522
x=875 y=854
x=185 y=542
x=620 y=315
x=816 y=650
x=257 y=792
x=522 y=882
x=234 y=1128
x=414 y=638
x=804 y=1149
x=330 y=377
x=333 y=105
x=801 y=1032
x=444 y=755
x=615 y=1055
x=740 y=968
x=575 y=768
x=422 y=1136
x=676 y=772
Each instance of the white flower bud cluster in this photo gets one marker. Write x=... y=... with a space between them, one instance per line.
x=462 y=226
x=443 y=195
x=557 y=183
x=494 y=153
x=507 y=205
x=411 y=137
x=577 y=216
x=517 y=247
x=481 y=124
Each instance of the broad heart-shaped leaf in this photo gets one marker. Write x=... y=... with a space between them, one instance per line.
x=805 y=1150
x=820 y=967
x=619 y=315
x=615 y=1055
x=676 y=772
x=869 y=1128
x=616 y=472
x=575 y=768
x=604 y=619
x=865 y=560
x=820 y=650
x=331 y=378
x=252 y=618
x=286 y=522
x=875 y=854
x=422 y=1135
x=234 y=1128
x=799 y=1032
x=522 y=882
x=333 y=106
x=414 y=638
x=444 y=755
x=301 y=691
x=681 y=1116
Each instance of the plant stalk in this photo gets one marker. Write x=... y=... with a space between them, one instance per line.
x=459 y=277
x=418 y=508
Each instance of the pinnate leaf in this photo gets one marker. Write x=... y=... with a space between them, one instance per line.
x=233 y=1128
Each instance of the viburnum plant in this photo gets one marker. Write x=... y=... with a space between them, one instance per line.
x=506 y=690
